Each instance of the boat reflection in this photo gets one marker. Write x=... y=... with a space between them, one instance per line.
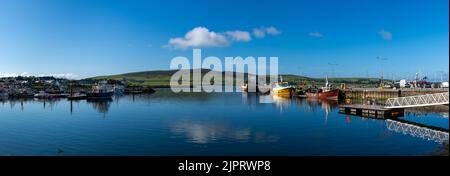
x=256 y=99
x=101 y=105
x=283 y=102
x=312 y=105
x=48 y=103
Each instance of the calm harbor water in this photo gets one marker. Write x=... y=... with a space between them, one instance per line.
x=165 y=123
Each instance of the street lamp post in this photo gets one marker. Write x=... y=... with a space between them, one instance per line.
x=382 y=68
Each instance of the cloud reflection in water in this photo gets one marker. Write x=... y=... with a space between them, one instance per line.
x=207 y=132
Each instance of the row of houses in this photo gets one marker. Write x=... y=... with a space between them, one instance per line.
x=29 y=87
x=24 y=87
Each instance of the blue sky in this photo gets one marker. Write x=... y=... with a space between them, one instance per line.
x=313 y=38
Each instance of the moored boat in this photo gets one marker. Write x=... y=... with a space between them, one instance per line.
x=45 y=95
x=244 y=87
x=101 y=91
x=327 y=92
x=283 y=89
x=77 y=96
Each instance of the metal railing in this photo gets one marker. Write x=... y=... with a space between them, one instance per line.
x=418 y=100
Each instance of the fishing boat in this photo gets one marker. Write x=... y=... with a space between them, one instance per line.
x=282 y=88
x=101 y=91
x=327 y=92
x=244 y=87
x=262 y=89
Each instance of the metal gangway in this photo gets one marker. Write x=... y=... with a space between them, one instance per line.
x=418 y=101
x=417 y=131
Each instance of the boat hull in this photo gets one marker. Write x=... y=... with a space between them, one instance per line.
x=282 y=91
x=49 y=96
x=77 y=97
x=244 y=88
x=329 y=95
x=107 y=95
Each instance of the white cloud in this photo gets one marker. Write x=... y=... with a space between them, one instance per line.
x=62 y=75
x=203 y=37
x=241 y=36
x=386 y=35
x=315 y=34
x=263 y=31
x=2 y=75
x=199 y=37
x=14 y=74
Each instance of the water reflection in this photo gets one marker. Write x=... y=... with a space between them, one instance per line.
x=101 y=105
x=283 y=102
x=48 y=103
x=22 y=102
x=440 y=110
x=313 y=105
x=415 y=130
x=203 y=132
x=254 y=99
x=233 y=123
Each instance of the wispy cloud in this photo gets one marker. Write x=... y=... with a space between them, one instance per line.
x=315 y=34
x=272 y=31
x=203 y=37
x=259 y=33
x=242 y=36
x=386 y=35
x=263 y=31
x=25 y=74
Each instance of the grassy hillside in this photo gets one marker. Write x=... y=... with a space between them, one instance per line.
x=162 y=79
x=147 y=78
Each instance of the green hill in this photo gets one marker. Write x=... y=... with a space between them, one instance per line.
x=147 y=78
x=161 y=78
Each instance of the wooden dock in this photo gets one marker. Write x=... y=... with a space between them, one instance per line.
x=374 y=111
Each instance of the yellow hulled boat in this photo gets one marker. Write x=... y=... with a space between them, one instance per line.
x=282 y=89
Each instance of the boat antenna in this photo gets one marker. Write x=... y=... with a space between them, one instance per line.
x=326 y=81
